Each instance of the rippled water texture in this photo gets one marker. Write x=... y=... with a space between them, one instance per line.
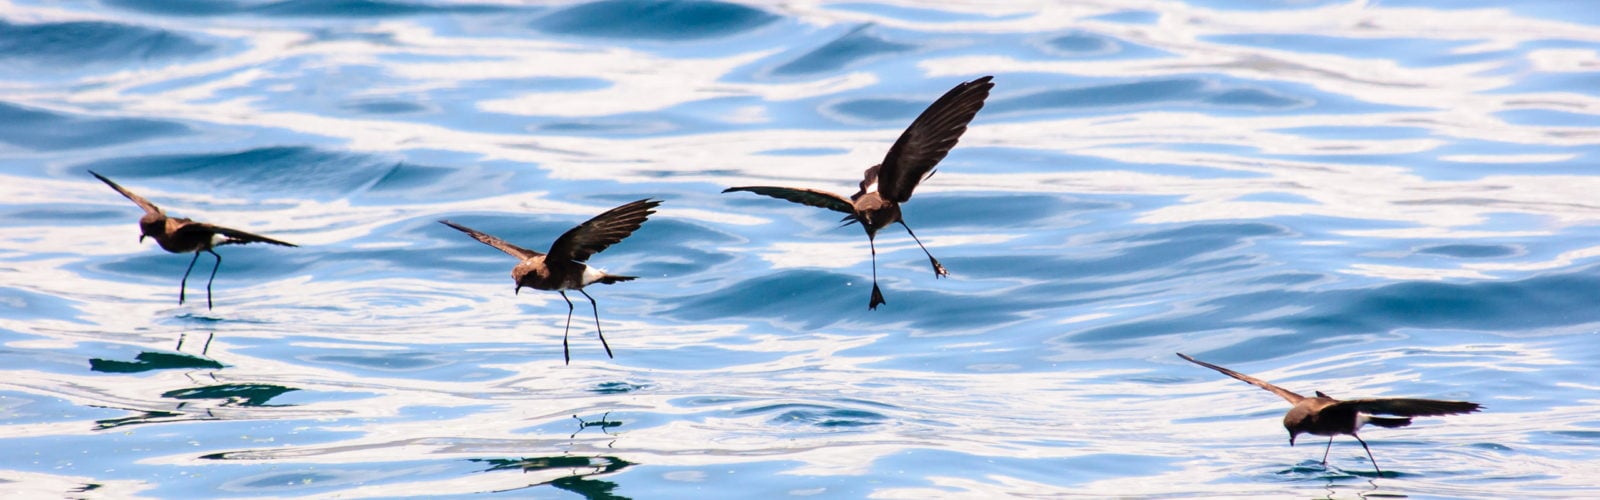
x=1383 y=198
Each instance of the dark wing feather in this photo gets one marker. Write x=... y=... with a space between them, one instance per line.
x=149 y=208
x=235 y=236
x=1281 y=392
x=515 y=251
x=812 y=197
x=1408 y=407
x=929 y=139
x=604 y=230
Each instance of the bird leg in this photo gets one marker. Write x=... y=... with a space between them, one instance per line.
x=597 y=323
x=938 y=269
x=566 y=353
x=183 y=285
x=877 y=295
x=1369 y=454
x=1325 y=451
x=213 y=274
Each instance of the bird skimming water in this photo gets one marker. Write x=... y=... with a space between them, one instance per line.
x=888 y=184
x=1324 y=416
x=182 y=235
x=563 y=268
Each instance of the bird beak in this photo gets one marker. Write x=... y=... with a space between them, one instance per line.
x=141 y=238
x=518 y=291
x=1291 y=440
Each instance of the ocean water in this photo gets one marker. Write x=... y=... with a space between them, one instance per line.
x=1366 y=198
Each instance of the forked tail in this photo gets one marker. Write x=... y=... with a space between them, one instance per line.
x=612 y=278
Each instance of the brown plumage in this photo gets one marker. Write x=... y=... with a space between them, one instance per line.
x=182 y=235
x=1324 y=416
x=888 y=184
x=563 y=269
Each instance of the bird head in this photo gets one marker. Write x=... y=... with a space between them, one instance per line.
x=152 y=225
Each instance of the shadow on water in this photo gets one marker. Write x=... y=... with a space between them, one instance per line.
x=583 y=469
x=193 y=403
x=581 y=483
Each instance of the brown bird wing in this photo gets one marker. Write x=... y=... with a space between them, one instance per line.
x=812 y=197
x=1408 y=407
x=235 y=236
x=929 y=139
x=149 y=208
x=604 y=230
x=515 y=251
x=1281 y=392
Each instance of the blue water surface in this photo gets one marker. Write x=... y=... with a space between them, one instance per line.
x=1369 y=199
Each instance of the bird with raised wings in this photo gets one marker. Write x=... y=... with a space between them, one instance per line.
x=183 y=235
x=888 y=184
x=1324 y=416
x=563 y=268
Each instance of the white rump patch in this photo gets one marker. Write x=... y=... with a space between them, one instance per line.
x=592 y=274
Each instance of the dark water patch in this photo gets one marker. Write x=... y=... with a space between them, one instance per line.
x=241 y=267
x=302 y=8
x=812 y=415
x=1468 y=251
x=41 y=130
x=1167 y=253
x=370 y=8
x=879 y=110
x=44 y=214
x=617 y=125
x=919 y=14
x=1287 y=279
x=857 y=46
x=383 y=361
x=383 y=107
x=660 y=20
x=407 y=182
x=1255 y=98
x=797 y=297
x=85 y=42
x=1081 y=44
x=305 y=172
x=1011 y=211
x=1504 y=306
x=1129 y=17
